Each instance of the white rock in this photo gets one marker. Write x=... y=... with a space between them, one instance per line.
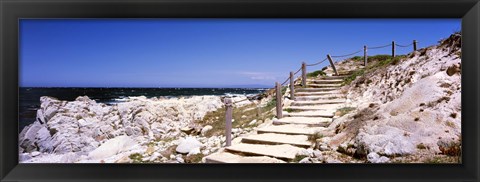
x=205 y=152
x=70 y=157
x=194 y=151
x=35 y=154
x=303 y=152
x=317 y=154
x=206 y=129
x=323 y=148
x=310 y=152
x=188 y=144
x=24 y=157
x=112 y=147
x=375 y=158
x=305 y=160
x=154 y=156
x=252 y=122
x=328 y=160
x=80 y=126
x=180 y=160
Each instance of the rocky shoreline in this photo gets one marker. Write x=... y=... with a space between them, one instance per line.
x=138 y=129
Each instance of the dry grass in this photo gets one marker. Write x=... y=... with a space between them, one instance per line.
x=217 y=118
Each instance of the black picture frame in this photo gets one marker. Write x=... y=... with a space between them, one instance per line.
x=12 y=10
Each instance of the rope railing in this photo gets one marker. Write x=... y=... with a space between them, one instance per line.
x=404 y=45
x=298 y=70
x=278 y=87
x=285 y=81
x=314 y=64
x=379 y=47
x=346 y=55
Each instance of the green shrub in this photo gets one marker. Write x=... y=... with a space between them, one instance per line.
x=357 y=58
x=316 y=73
x=136 y=157
x=298 y=158
x=345 y=110
x=349 y=79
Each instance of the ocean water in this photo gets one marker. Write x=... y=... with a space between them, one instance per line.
x=29 y=98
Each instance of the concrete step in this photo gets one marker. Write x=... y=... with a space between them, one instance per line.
x=318 y=102
x=315 y=107
x=309 y=121
x=225 y=157
x=284 y=151
x=333 y=77
x=291 y=129
x=320 y=81
x=315 y=89
x=314 y=85
x=299 y=93
x=320 y=97
x=275 y=139
x=314 y=113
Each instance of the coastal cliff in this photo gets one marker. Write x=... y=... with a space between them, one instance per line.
x=407 y=109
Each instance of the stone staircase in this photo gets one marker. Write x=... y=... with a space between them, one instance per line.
x=309 y=114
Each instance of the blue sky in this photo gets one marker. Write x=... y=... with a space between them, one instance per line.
x=201 y=52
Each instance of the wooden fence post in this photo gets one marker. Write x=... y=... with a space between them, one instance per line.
x=331 y=63
x=414 y=45
x=228 y=121
x=292 y=92
x=304 y=74
x=278 y=89
x=365 y=56
x=393 y=49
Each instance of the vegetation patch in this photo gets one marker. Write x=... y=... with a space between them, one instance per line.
x=441 y=160
x=421 y=146
x=249 y=112
x=453 y=149
x=357 y=58
x=349 y=79
x=345 y=110
x=136 y=158
x=298 y=158
x=289 y=110
x=169 y=151
x=316 y=73
x=374 y=63
x=197 y=158
x=317 y=135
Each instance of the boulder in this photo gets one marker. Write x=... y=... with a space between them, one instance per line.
x=384 y=140
x=180 y=160
x=206 y=129
x=375 y=158
x=188 y=144
x=44 y=140
x=112 y=147
x=194 y=151
x=24 y=157
x=28 y=136
x=305 y=160
x=187 y=130
x=35 y=154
